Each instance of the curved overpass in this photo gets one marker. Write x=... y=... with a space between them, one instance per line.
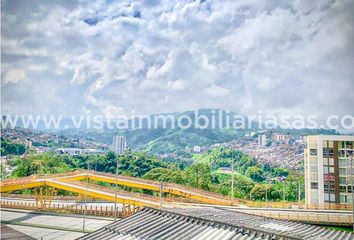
x=69 y=182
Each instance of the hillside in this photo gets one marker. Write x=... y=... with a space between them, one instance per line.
x=171 y=139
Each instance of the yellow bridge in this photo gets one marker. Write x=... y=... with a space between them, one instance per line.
x=85 y=183
x=71 y=182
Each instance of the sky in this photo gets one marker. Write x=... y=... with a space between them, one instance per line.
x=115 y=57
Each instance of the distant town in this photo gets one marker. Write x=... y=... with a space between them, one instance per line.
x=272 y=148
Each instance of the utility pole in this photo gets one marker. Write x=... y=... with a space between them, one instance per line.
x=86 y=188
x=115 y=192
x=161 y=191
x=299 y=194
x=232 y=176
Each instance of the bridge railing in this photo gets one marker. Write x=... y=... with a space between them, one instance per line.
x=13 y=181
x=165 y=185
x=311 y=218
x=119 y=192
x=297 y=205
x=103 y=211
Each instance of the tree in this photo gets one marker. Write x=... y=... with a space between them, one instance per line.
x=40 y=164
x=242 y=184
x=173 y=175
x=198 y=175
x=255 y=173
x=261 y=192
x=8 y=147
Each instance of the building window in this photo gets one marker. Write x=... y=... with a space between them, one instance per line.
x=325 y=161
x=313 y=152
x=331 y=161
x=314 y=185
x=343 y=199
x=342 y=162
x=331 y=196
x=327 y=152
x=343 y=189
x=342 y=180
x=342 y=171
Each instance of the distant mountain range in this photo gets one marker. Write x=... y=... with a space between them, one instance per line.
x=175 y=137
x=159 y=140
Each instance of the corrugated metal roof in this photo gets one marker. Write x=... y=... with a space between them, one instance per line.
x=208 y=223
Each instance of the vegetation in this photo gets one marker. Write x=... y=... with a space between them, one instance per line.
x=10 y=148
x=250 y=180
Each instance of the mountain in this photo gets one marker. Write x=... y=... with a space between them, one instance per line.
x=174 y=138
x=173 y=132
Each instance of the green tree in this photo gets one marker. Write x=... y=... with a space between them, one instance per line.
x=198 y=175
x=40 y=164
x=172 y=174
x=8 y=147
x=255 y=173
x=242 y=185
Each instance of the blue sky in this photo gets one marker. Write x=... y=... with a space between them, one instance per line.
x=100 y=57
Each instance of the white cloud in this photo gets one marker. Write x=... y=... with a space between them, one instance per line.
x=216 y=91
x=14 y=76
x=177 y=85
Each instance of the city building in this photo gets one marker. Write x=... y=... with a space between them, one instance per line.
x=119 y=145
x=197 y=149
x=327 y=169
x=279 y=137
x=262 y=140
x=69 y=151
x=78 y=151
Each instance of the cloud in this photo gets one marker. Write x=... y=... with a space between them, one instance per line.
x=14 y=76
x=151 y=56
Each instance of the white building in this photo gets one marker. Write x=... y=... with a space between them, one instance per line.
x=197 y=149
x=69 y=151
x=279 y=137
x=78 y=151
x=262 y=140
x=327 y=169
x=119 y=145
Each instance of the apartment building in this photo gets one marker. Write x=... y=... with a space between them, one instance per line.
x=119 y=145
x=262 y=140
x=328 y=169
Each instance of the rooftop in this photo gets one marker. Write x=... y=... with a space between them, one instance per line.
x=209 y=223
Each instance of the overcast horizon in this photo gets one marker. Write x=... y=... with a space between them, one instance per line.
x=112 y=58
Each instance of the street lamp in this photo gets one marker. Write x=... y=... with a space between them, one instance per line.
x=282 y=179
